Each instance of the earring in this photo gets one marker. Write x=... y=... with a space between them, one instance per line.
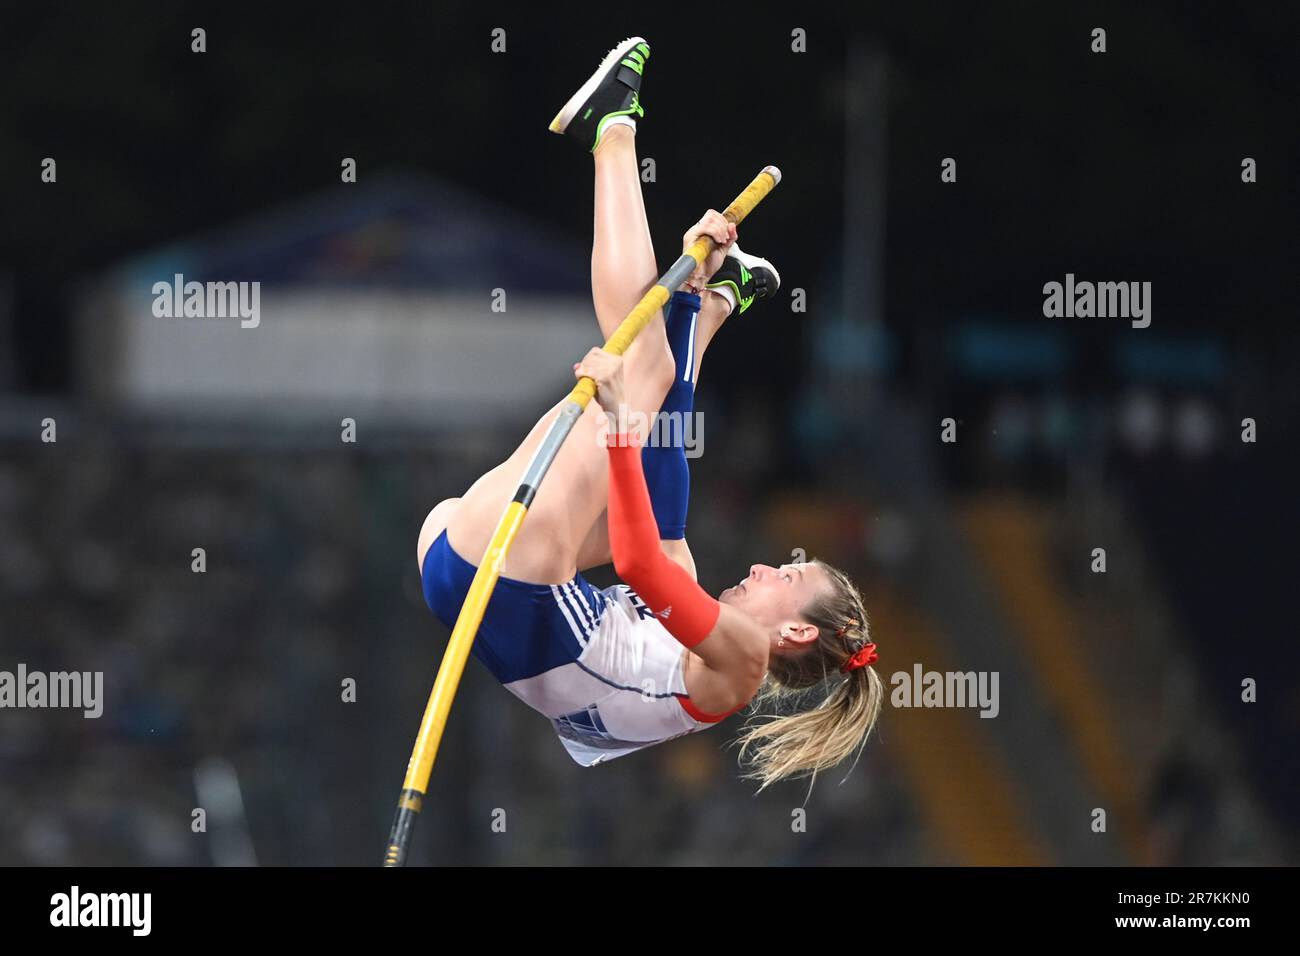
x=781 y=642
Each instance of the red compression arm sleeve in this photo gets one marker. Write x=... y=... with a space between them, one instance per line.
x=686 y=610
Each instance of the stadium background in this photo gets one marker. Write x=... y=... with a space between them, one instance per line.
x=924 y=302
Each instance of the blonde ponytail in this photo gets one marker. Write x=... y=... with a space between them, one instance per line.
x=822 y=725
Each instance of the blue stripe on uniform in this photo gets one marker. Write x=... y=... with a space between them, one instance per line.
x=580 y=601
x=571 y=615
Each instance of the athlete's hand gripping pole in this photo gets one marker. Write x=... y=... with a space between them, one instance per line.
x=489 y=569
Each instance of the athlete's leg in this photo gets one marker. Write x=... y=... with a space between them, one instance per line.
x=691 y=324
x=623 y=266
x=575 y=491
x=713 y=312
x=566 y=522
x=689 y=331
x=543 y=551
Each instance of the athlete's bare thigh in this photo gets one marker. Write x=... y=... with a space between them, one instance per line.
x=567 y=503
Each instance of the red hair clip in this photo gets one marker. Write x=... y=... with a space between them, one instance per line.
x=864 y=656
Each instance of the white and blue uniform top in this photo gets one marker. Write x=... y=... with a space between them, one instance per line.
x=596 y=662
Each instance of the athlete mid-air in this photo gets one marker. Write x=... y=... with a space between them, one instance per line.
x=620 y=669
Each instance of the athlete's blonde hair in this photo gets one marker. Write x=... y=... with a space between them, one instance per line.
x=818 y=737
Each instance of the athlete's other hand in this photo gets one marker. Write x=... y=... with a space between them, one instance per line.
x=723 y=232
x=606 y=370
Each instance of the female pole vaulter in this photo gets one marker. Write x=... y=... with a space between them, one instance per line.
x=623 y=668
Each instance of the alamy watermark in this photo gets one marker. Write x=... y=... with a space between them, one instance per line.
x=922 y=688
x=59 y=689
x=661 y=430
x=75 y=908
x=1103 y=300
x=179 y=299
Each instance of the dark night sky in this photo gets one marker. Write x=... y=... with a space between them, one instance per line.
x=1123 y=164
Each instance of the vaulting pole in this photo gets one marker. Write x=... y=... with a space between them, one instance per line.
x=489 y=569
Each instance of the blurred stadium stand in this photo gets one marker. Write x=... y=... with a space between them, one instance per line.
x=350 y=280
x=245 y=661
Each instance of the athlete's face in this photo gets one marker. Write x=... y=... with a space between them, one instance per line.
x=775 y=597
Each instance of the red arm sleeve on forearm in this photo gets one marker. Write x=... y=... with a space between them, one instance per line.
x=687 y=611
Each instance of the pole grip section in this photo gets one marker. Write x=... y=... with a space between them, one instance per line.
x=655 y=299
x=399 y=838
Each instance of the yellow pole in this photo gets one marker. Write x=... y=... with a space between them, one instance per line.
x=475 y=604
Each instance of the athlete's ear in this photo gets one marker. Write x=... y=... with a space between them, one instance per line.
x=795 y=632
